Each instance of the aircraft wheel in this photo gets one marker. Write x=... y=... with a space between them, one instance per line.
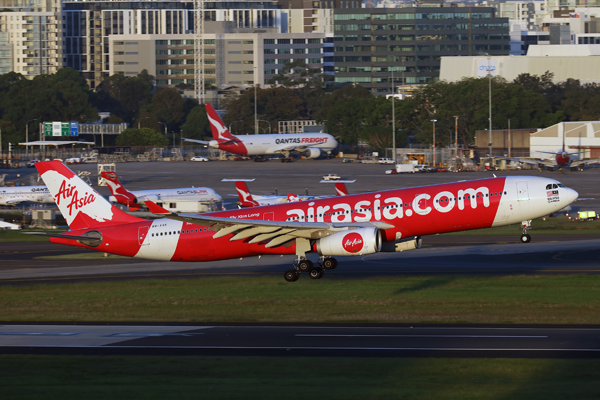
x=525 y=238
x=305 y=266
x=330 y=263
x=316 y=273
x=291 y=275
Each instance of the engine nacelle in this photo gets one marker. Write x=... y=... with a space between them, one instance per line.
x=403 y=245
x=312 y=152
x=353 y=242
x=150 y=197
x=214 y=144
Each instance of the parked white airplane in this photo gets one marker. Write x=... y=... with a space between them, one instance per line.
x=247 y=199
x=14 y=195
x=136 y=199
x=310 y=145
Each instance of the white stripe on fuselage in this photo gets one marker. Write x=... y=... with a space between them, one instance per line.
x=161 y=241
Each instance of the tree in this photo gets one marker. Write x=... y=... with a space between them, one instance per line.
x=196 y=125
x=125 y=96
x=141 y=137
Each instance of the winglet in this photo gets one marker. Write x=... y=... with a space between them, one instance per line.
x=155 y=208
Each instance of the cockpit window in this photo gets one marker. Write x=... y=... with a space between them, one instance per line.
x=554 y=186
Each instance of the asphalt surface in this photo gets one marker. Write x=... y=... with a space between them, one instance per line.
x=304 y=340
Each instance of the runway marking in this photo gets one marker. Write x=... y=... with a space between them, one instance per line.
x=473 y=349
x=424 y=336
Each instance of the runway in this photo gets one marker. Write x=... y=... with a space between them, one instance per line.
x=304 y=340
x=449 y=255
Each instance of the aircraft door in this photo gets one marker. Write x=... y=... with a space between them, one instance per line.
x=522 y=191
x=268 y=216
x=142 y=234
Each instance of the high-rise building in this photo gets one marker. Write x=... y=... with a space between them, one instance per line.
x=370 y=44
x=30 y=37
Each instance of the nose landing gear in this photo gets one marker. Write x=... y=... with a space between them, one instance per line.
x=525 y=238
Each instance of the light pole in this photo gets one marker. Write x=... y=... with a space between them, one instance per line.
x=140 y=120
x=490 y=102
x=27 y=135
x=255 y=108
x=231 y=123
x=509 y=137
x=456 y=136
x=393 y=120
x=259 y=120
x=434 y=121
x=165 y=125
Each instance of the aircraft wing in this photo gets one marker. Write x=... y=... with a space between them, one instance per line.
x=230 y=141
x=275 y=232
x=15 y=200
x=586 y=161
x=530 y=161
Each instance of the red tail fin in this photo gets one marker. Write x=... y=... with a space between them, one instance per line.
x=293 y=198
x=340 y=189
x=218 y=128
x=122 y=195
x=81 y=206
x=246 y=199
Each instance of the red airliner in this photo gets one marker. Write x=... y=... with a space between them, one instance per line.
x=352 y=225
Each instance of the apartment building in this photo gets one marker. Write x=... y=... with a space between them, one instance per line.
x=30 y=37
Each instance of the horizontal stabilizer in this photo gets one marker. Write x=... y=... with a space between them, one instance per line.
x=155 y=208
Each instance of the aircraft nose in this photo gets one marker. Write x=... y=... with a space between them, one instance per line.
x=572 y=195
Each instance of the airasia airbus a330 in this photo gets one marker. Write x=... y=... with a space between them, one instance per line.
x=353 y=225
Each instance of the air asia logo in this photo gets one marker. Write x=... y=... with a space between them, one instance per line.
x=352 y=242
x=296 y=140
x=70 y=193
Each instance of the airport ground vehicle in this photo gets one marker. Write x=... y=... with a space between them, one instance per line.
x=383 y=160
x=331 y=177
x=402 y=169
x=199 y=158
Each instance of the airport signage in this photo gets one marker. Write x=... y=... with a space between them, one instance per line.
x=61 y=128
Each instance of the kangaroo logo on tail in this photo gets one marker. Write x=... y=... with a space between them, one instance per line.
x=121 y=195
x=292 y=198
x=81 y=206
x=218 y=128
x=246 y=199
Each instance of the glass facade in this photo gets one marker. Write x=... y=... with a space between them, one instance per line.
x=370 y=43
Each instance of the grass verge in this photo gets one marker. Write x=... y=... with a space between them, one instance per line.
x=512 y=299
x=109 y=377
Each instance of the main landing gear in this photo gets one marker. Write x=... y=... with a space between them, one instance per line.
x=287 y=159
x=525 y=238
x=301 y=264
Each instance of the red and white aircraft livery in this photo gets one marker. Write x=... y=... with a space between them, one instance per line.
x=247 y=199
x=310 y=145
x=10 y=196
x=136 y=199
x=353 y=225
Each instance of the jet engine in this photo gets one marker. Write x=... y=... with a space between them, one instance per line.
x=149 y=197
x=411 y=243
x=353 y=242
x=312 y=152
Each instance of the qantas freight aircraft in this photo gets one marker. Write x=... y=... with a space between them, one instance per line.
x=353 y=225
x=310 y=145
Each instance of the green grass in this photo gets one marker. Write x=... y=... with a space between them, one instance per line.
x=513 y=299
x=290 y=378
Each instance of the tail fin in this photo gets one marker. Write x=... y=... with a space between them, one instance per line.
x=122 y=195
x=246 y=199
x=81 y=206
x=218 y=128
x=293 y=198
x=340 y=189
